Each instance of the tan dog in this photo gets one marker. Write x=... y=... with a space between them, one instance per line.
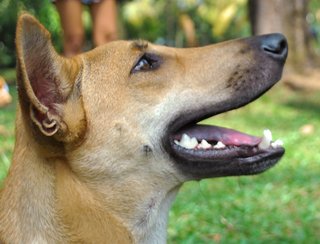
x=5 y=97
x=100 y=152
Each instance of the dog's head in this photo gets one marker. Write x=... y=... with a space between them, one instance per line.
x=121 y=110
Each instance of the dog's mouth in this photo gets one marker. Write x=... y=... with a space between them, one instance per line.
x=202 y=151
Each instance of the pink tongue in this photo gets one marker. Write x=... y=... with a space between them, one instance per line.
x=215 y=133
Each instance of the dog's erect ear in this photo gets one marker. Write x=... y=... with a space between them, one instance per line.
x=46 y=81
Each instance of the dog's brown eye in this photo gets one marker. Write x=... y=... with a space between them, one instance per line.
x=146 y=62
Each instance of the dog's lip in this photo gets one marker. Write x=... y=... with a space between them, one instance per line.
x=229 y=152
x=233 y=161
x=242 y=156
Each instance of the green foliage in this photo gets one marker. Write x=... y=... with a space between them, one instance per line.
x=7 y=30
x=158 y=21
x=44 y=10
x=313 y=19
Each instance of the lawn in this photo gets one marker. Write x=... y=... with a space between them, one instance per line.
x=279 y=206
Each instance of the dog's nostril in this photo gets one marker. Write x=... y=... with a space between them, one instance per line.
x=277 y=49
x=275 y=45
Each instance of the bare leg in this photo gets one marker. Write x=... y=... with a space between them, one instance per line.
x=70 y=12
x=104 y=17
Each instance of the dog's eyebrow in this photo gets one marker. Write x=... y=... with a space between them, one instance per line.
x=140 y=45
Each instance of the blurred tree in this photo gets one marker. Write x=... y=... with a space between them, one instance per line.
x=185 y=22
x=8 y=15
x=291 y=20
x=9 y=10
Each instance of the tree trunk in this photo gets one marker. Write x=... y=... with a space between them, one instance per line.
x=289 y=18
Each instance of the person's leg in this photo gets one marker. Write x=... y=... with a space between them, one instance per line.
x=104 y=17
x=70 y=12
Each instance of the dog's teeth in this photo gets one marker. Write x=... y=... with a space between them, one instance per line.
x=204 y=145
x=266 y=140
x=278 y=143
x=187 y=142
x=219 y=145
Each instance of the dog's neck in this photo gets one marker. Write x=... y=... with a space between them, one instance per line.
x=103 y=216
x=27 y=201
x=143 y=213
x=152 y=226
x=49 y=199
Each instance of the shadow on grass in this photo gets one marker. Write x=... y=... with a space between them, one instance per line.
x=305 y=105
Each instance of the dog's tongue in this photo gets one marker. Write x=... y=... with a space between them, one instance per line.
x=215 y=133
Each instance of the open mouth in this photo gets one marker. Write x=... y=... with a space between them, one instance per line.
x=210 y=151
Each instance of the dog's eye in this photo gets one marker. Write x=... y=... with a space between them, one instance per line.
x=146 y=62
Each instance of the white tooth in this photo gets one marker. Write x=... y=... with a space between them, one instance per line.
x=204 y=145
x=176 y=142
x=219 y=145
x=184 y=140
x=266 y=140
x=193 y=142
x=187 y=142
x=278 y=143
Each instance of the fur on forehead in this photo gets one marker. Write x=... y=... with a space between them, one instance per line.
x=140 y=45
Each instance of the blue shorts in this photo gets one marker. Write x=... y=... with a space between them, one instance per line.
x=86 y=2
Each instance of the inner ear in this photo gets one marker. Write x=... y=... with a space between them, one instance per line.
x=45 y=79
x=46 y=85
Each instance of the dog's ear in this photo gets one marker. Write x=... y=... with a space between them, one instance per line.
x=47 y=83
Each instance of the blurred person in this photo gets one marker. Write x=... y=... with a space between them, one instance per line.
x=104 y=18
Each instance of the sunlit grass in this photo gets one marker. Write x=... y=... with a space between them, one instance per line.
x=279 y=206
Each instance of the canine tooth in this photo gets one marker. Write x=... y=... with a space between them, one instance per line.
x=187 y=142
x=219 y=145
x=266 y=140
x=204 y=145
x=277 y=143
x=184 y=139
x=177 y=142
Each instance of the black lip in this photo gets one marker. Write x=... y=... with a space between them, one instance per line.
x=234 y=163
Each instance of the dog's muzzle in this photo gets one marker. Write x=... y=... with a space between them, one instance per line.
x=203 y=151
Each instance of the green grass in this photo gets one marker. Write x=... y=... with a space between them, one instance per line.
x=7 y=117
x=279 y=206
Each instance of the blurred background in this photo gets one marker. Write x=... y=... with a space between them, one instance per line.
x=279 y=206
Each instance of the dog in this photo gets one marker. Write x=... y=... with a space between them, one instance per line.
x=104 y=140
x=5 y=97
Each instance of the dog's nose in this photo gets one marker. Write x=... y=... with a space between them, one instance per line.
x=275 y=45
